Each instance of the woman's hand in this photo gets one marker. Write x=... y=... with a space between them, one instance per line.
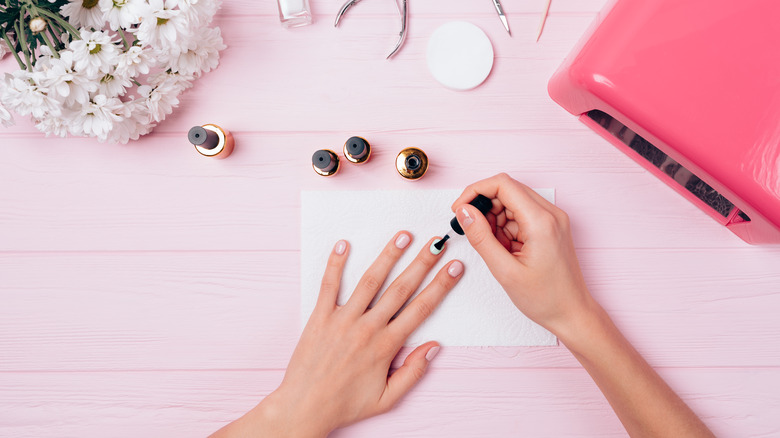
x=526 y=243
x=339 y=372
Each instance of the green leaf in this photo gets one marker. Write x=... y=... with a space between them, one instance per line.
x=9 y=16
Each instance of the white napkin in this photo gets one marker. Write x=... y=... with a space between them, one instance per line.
x=477 y=312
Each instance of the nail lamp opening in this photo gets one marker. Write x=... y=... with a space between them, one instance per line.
x=691 y=91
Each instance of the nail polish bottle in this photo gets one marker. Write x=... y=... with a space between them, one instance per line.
x=325 y=162
x=411 y=163
x=294 y=13
x=211 y=140
x=357 y=150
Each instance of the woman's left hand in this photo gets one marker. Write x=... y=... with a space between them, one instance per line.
x=340 y=370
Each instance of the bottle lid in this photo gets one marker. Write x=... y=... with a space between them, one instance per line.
x=199 y=137
x=413 y=162
x=325 y=162
x=356 y=146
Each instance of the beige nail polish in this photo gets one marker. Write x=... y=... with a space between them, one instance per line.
x=455 y=269
x=402 y=241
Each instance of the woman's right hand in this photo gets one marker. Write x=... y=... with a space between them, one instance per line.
x=526 y=243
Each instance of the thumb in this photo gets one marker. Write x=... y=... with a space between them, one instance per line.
x=480 y=235
x=404 y=378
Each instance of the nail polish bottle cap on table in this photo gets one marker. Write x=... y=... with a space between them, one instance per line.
x=199 y=136
x=357 y=150
x=325 y=162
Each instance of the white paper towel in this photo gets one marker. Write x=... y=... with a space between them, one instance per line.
x=477 y=312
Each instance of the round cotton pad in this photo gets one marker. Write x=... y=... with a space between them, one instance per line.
x=460 y=55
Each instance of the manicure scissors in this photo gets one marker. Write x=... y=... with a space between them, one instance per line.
x=404 y=16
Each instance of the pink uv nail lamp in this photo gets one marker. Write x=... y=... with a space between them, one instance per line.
x=690 y=90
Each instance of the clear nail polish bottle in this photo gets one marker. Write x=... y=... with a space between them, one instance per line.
x=294 y=13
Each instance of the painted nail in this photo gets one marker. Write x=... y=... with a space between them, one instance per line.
x=455 y=269
x=432 y=353
x=465 y=218
x=341 y=247
x=434 y=250
x=402 y=241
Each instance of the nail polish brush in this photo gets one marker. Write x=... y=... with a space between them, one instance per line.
x=482 y=203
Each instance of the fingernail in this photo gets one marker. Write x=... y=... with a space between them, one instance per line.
x=455 y=269
x=432 y=353
x=402 y=241
x=341 y=247
x=464 y=218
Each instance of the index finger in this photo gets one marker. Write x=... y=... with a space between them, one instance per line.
x=511 y=194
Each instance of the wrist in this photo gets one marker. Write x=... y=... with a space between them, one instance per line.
x=583 y=327
x=281 y=417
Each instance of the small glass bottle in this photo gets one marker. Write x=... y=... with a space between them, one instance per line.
x=294 y=13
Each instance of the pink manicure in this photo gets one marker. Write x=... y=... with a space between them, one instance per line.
x=402 y=241
x=455 y=269
x=341 y=247
x=432 y=353
x=465 y=219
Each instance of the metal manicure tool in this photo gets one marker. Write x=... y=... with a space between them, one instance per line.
x=404 y=15
x=501 y=15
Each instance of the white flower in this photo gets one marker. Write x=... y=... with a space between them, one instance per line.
x=135 y=61
x=163 y=27
x=84 y=13
x=163 y=97
x=94 y=53
x=203 y=57
x=183 y=81
x=43 y=61
x=4 y=50
x=123 y=13
x=114 y=84
x=53 y=125
x=86 y=89
x=67 y=85
x=6 y=119
x=134 y=126
x=23 y=93
x=199 y=12
x=98 y=116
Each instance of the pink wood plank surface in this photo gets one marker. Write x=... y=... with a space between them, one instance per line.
x=147 y=291
x=467 y=403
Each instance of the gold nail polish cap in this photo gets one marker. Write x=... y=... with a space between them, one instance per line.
x=211 y=141
x=357 y=150
x=411 y=163
x=325 y=162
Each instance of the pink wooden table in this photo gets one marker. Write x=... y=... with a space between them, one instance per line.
x=148 y=291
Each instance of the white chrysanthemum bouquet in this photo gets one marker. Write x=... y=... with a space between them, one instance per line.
x=110 y=69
